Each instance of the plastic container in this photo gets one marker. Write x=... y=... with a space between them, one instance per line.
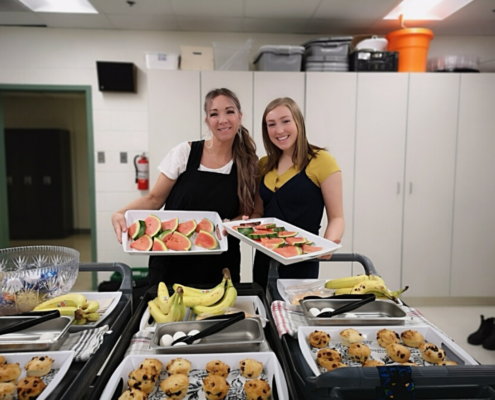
x=374 y=61
x=453 y=64
x=162 y=61
x=412 y=45
x=336 y=46
x=279 y=58
x=232 y=56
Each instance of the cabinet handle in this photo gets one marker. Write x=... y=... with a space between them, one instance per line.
x=410 y=187
x=398 y=187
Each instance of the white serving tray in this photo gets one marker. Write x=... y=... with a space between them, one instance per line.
x=61 y=363
x=97 y=296
x=328 y=246
x=272 y=372
x=248 y=304
x=452 y=350
x=132 y=216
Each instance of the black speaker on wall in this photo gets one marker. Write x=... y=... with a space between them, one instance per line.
x=116 y=76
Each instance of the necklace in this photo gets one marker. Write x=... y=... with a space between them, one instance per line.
x=214 y=158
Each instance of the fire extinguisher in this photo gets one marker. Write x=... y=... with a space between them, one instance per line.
x=141 y=164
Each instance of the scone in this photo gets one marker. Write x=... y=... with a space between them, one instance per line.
x=175 y=386
x=39 y=366
x=30 y=388
x=328 y=355
x=250 y=368
x=217 y=367
x=412 y=338
x=319 y=339
x=133 y=394
x=359 y=352
x=372 y=363
x=398 y=353
x=7 y=391
x=349 y=336
x=431 y=353
x=143 y=378
x=178 y=366
x=331 y=365
x=257 y=389
x=10 y=372
x=215 y=387
x=386 y=336
x=153 y=361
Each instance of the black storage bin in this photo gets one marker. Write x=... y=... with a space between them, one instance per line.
x=374 y=61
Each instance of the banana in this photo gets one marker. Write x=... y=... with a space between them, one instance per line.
x=66 y=300
x=74 y=312
x=163 y=298
x=349 y=281
x=190 y=291
x=81 y=321
x=378 y=279
x=375 y=287
x=346 y=290
x=91 y=306
x=92 y=317
x=397 y=293
x=218 y=308
x=206 y=299
x=175 y=314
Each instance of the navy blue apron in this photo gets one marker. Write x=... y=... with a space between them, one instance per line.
x=299 y=202
x=200 y=191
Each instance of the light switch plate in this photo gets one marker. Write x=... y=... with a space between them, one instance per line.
x=101 y=157
x=123 y=157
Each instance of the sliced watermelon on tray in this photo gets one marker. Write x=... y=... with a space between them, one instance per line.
x=310 y=249
x=288 y=251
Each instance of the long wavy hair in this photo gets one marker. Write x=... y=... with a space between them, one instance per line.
x=303 y=152
x=243 y=154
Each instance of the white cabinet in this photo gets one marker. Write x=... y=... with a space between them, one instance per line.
x=331 y=123
x=379 y=174
x=473 y=255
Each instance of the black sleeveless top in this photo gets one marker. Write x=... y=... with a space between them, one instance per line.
x=197 y=190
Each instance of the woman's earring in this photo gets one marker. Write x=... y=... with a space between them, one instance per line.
x=239 y=132
x=208 y=136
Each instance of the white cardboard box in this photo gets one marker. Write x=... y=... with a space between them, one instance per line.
x=196 y=58
x=161 y=60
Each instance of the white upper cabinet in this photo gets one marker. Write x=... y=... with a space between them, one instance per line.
x=429 y=183
x=473 y=250
x=379 y=174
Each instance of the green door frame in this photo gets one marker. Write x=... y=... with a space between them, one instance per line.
x=4 y=224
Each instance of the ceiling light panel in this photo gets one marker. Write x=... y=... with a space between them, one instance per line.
x=60 y=6
x=422 y=10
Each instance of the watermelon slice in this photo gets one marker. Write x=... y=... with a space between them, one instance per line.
x=158 y=245
x=188 y=227
x=144 y=243
x=137 y=229
x=206 y=240
x=261 y=234
x=245 y=231
x=288 y=251
x=295 y=241
x=278 y=229
x=285 y=234
x=153 y=225
x=178 y=242
x=272 y=243
x=310 y=249
x=170 y=225
x=205 y=225
x=165 y=235
x=265 y=226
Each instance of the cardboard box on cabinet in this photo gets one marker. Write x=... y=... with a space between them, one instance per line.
x=196 y=58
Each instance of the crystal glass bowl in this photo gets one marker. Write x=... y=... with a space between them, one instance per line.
x=32 y=274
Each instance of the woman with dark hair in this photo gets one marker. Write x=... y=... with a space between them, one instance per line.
x=298 y=181
x=217 y=174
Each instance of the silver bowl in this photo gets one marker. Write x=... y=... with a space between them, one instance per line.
x=33 y=274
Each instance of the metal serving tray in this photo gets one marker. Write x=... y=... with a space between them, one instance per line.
x=46 y=336
x=243 y=336
x=377 y=312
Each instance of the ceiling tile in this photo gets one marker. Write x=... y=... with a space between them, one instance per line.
x=268 y=25
x=355 y=9
x=339 y=27
x=84 y=21
x=280 y=8
x=210 y=8
x=144 y=22
x=20 y=18
x=210 y=24
x=146 y=7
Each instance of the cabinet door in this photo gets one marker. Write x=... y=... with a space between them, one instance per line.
x=473 y=250
x=429 y=183
x=331 y=123
x=267 y=87
x=380 y=150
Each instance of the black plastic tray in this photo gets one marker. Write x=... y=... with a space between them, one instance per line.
x=76 y=383
x=243 y=289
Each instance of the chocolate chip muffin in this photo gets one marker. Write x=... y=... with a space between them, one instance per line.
x=175 y=386
x=30 y=387
x=143 y=378
x=319 y=339
x=398 y=353
x=39 y=366
x=359 y=352
x=217 y=367
x=257 y=389
x=386 y=336
x=215 y=387
x=178 y=366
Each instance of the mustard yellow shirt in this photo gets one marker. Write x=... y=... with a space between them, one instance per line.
x=319 y=168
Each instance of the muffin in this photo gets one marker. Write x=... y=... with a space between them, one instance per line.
x=386 y=336
x=319 y=339
x=328 y=355
x=175 y=386
x=448 y=362
x=218 y=367
x=372 y=363
x=30 y=388
x=410 y=363
x=3 y=360
x=39 y=366
x=143 y=378
x=178 y=366
x=250 y=368
x=349 y=336
x=10 y=372
x=153 y=361
x=431 y=353
x=133 y=394
x=398 y=353
x=215 y=387
x=412 y=338
x=359 y=352
x=257 y=389
x=331 y=365
x=7 y=391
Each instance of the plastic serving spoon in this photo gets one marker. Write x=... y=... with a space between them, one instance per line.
x=367 y=298
x=227 y=321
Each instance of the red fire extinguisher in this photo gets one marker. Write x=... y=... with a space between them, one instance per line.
x=141 y=164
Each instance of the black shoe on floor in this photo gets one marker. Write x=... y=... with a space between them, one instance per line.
x=489 y=342
x=485 y=330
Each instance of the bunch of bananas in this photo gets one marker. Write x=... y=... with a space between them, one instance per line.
x=363 y=284
x=73 y=305
x=168 y=309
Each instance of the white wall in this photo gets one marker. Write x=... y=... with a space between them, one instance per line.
x=68 y=57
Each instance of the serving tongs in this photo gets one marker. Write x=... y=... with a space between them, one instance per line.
x=227 y=320
x=20 y=326
x=365 y=299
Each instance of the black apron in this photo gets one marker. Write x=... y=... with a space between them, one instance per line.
x=200 y=191
x=299 y=202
